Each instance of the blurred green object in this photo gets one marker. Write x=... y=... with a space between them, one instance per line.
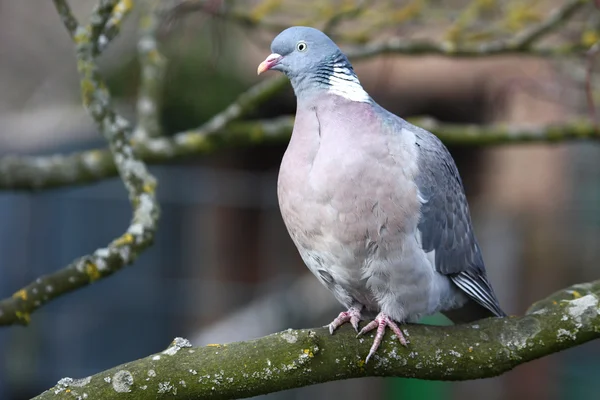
x=200 y=80
x=198 y=87
x=405 y=388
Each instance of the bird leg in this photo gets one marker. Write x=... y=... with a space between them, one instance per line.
x=380 y=322
x=352 y=315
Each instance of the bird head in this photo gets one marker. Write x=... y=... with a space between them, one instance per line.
x=298 y=50
x=313 y=63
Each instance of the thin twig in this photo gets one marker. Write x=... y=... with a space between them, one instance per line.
x=332 y=23
x=589 y=90
x=140 y=184
x=113 y=24
x=556 y=19
x=215 y=9
x=65 y=14
x=44 y=172
x=152 y=65
x=522 y=43
x=100 y=16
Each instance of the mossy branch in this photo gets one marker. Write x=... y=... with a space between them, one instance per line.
x=36 y=173
x=152 y=72
x=524 y=42
x=296 y=358
x=93 y=165
x=139 y=182
x=27 y=173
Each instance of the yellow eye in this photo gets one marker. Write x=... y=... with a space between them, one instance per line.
x=301 y=46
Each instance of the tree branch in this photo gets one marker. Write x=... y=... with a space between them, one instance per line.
x=90 y=166
x=448 y=49
x=27 y=173
x=153 y=66
x=113 y=25
x=219 y=132
x=139 y=182
x=93 y=165
x=296 y=358
x=96 y=164
x=522 y=43
x=216 y=9
x=100 y=16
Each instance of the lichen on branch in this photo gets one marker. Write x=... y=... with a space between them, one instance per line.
x=44 y=172
x=140 y=184
x=152 y=72
x=34 y=173
x=526 y=41
x=296 y=358
x=28 y=173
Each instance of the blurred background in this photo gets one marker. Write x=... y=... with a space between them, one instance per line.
x=223 y=267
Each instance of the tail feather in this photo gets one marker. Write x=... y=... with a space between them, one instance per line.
x=470 y=312
x=478 y=288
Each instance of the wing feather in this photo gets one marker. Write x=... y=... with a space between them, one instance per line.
x=445 y=223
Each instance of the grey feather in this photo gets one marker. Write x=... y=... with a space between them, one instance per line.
x=445 y=223
x=375 y=205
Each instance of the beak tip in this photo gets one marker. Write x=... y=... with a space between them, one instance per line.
x=262 y=67
x=269 y=62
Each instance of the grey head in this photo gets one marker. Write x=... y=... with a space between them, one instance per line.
x=310 y=59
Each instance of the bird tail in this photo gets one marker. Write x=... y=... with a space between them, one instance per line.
x=471 y=311
x=476 y=285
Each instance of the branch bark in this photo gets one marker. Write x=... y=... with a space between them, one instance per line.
x=140 y=184
x=152 y=72
x=524 y=42
x=26 y=173
x=36 y=173
x=296 y=358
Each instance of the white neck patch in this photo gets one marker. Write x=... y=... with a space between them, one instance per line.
x=344 y=83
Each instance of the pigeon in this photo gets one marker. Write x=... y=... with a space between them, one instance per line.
x=375 y=205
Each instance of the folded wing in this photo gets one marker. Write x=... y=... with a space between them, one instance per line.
x=445 y=223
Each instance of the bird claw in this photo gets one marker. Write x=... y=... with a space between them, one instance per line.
x=380 y=322
x=352 y=316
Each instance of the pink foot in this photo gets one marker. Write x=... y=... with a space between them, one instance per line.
x=352 y=315
x=380 y=322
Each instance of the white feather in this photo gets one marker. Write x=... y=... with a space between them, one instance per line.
x=344 y=83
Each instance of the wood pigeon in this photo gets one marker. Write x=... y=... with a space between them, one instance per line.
x=374 y=204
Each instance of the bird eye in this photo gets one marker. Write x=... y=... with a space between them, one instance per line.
x=301 y=46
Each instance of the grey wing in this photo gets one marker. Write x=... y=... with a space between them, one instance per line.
x=445 y=223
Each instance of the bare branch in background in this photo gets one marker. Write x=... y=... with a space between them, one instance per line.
x=522 y=43
x=94 y=165
x=90 y=166
x=213 y=8
x=344 y=15
x=113 y=25
x=67 y=17
x=589 y=90
x=44 y=172
x=291 y=358
x=296 y=358
x=98 y=20
x=140 y=184
x=152 y=73
x=448 y=49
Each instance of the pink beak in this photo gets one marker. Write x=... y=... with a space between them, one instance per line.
x=269 y=63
